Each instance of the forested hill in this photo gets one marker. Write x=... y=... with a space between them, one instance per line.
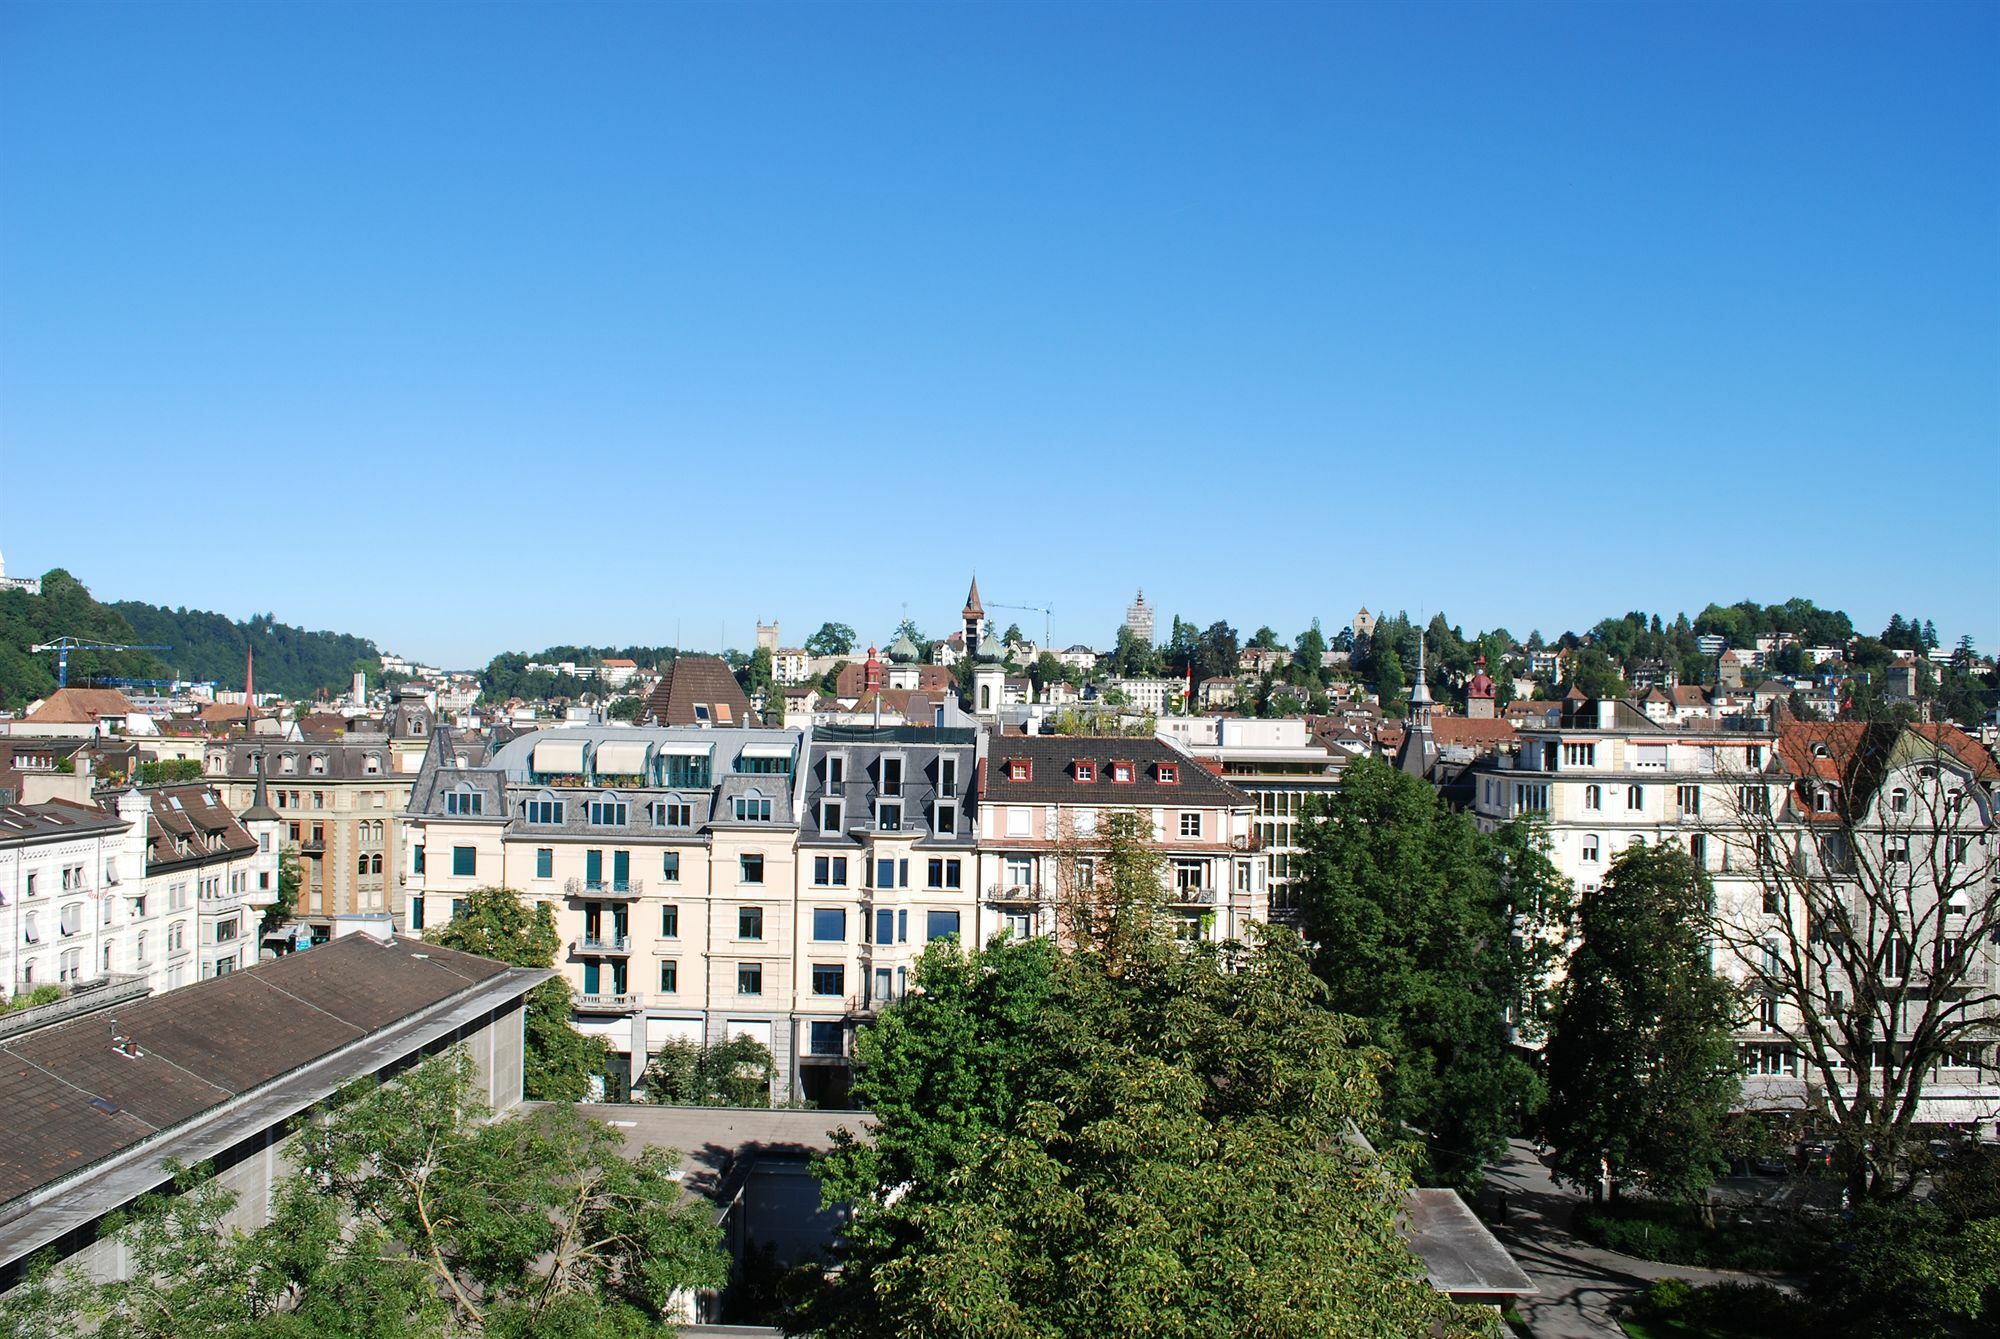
x=203 y=646
x=290 y=660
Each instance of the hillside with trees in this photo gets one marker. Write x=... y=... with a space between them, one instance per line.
x=290 y=659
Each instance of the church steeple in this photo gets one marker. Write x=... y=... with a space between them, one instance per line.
x=1419 y=746
x=974 y=615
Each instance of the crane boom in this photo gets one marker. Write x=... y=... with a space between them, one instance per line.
x=1048 y=618
x=63 y=645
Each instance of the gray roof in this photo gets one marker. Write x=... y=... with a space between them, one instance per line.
x=57 y=820
x=864 y=750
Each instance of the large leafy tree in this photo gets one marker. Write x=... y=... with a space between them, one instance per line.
x=1405 y=902
x=412 y=1213
x=1640 y=1063
x=496 y=923
x=1064 y=1149
x=832 y=639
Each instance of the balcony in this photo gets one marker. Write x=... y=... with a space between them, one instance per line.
x=594 y=947
x=1192 y=897
x=1015 y=892
x=603 y=1004
x=604 y=889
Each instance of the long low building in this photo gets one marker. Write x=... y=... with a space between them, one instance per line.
x=215 y=1071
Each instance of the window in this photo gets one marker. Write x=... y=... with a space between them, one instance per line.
x=1635 y=797
x=464 y=802
x=830 y=815
x=1754 y=755
x=176 y=934
x=1190 y=875
x=1020 y=822
x=1169 y=774
x=829 y=979
x=1753 y=800
x=1579 y=755
x=670 y=978
x=825 y=1039
x=545 y=862
x=375 y=863
x=750 y=922
x=892 y=776
x=1593 y=797
x=830 y=925
x=946 y=820
x=318 y=767
x=1899 y=801
x=1121 y=773
x=1086 y=771
x=889 y=816
x=1190 y=825
x=750 y=868
x=1698 y=849
x=416 y=860
x=883 y=985
x=464 y=861
x=138 y=947
x=830 y=871
x=1020 y=769
x=1592 y=852
x=1688 y=799
x=1020 y=871
x=416 y=913
x=670 y=921
x=226 y=930
x=938 y=924
x=545 y=811
x=750 y=978
x=1896 y=851
x=885 y=927
x=902 y=929
x=1019 y=925
x=753 y=806
x=948 y=777
x=944 y=874
x=885 y=874
x=1772 y=901
x=1531 y=797
x=607 y=813
x=1899 y=960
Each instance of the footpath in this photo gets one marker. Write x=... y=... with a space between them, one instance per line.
x=1579 y=1282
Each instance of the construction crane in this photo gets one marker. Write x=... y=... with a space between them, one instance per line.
x=1048 y=619
x=62 y=646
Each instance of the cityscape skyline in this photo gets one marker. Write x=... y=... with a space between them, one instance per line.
x=545 y=325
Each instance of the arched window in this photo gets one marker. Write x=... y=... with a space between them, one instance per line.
x=1592 y=850
x=1593 y=797
x=372 y=765
x=319 y=764
x=1635 y=797
x=375 y=863
x=1899 y=800
x=288 y=763
x=361 y=864
x=753 y=806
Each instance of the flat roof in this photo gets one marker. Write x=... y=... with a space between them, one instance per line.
x=1460 y=1255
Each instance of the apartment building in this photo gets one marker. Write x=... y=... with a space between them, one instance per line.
x=1279 y=766
x=668 y=855
x=162 y=886
x=1043 y=799
x=887 y=862
x=1900 y=815
x=340 y=800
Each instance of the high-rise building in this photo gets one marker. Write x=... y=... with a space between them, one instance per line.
x=1139 y=618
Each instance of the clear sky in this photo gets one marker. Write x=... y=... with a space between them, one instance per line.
x=485 y=327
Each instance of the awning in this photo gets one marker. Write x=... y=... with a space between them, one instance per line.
x=675 y=748
x=621 y=757
x=558 y=756
x=767 y=751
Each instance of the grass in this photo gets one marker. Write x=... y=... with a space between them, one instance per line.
x=1674 y=1234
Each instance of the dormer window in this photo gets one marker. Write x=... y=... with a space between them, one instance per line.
x=464 y=801
x=1121 y=773
x=372 y=765
x=289 y=764
x=1020 y=769
x=1086 y=772
x=1820 y=750
x=1169 y=774
x=319 y=764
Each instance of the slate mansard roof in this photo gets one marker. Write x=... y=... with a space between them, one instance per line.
x=922 y=751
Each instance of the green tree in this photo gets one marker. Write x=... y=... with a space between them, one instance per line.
x=1111 y=886
x=1012 y=635
x=738 y=1072
x=1640 y=1064
x=1311 y=651
x=832 y=639
x=287 y=903
x=1389 y=681
x=496 y=923
x=1061 y=1148
x=627 y=709
x=1405 y=900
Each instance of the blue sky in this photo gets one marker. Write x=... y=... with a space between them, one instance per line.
x=481 y=327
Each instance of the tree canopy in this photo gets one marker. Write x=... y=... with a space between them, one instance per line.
x=1641 y=1066
x=1407 y=904
x=1065 y=1149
